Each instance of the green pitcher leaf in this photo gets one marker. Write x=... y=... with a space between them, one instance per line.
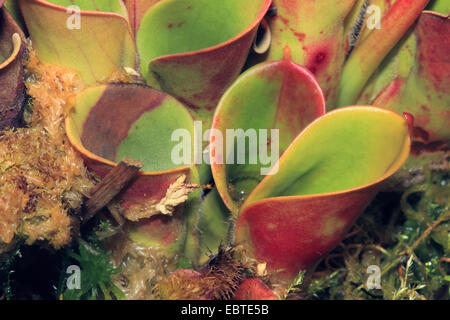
x=194 y=49
x=96 y=42
x=373 y=48
x=354 y=23
x=266 y=107
x=325 y=179
x=414 y=78
x=374 y=10
x=110 y=122
x=314 y=30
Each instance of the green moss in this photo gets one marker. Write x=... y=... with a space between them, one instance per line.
x=97 y=270
x=406 y=235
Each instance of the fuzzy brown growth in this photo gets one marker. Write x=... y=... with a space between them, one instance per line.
x=183 y=284
x=224 y=273
x=217 y=281
x=42 y=177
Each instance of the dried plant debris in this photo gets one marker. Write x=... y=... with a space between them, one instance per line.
x=177 y=193
x=42 y=178
x=216 y=281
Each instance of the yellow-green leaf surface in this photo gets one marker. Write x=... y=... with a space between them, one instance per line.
x=96 y=43
x=374 y=47
x=343 y=149
x=273 y=98
x=110 y=122
x=325 y=179
x=439 y=6
x=194 y=49
x=414 y=78
x=314 y=30
x=116 y=121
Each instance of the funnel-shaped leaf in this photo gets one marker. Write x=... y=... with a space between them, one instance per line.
x=373 y=48
x=314 y=30
x=194 y=49
x=415 y=78
x=96 y=42
x=11 y=71
x=278 y=95
x=384 y=7
x=110 y=122
x=373 y=12
x=325 y=179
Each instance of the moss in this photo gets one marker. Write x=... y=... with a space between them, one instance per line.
x=406 y=235
x=42 y=178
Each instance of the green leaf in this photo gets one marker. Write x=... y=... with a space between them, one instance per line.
x=97 y=45
x=115 y=6
x=439 y=6
x=326 y=178
x=96 y=275
x=364 y=60
x=314 y=30
x=363 y=143
x=278 y=95
x=102 y=124
x=414 y=79
x=194 y=49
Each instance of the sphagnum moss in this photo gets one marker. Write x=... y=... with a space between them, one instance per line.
x=406 y=236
